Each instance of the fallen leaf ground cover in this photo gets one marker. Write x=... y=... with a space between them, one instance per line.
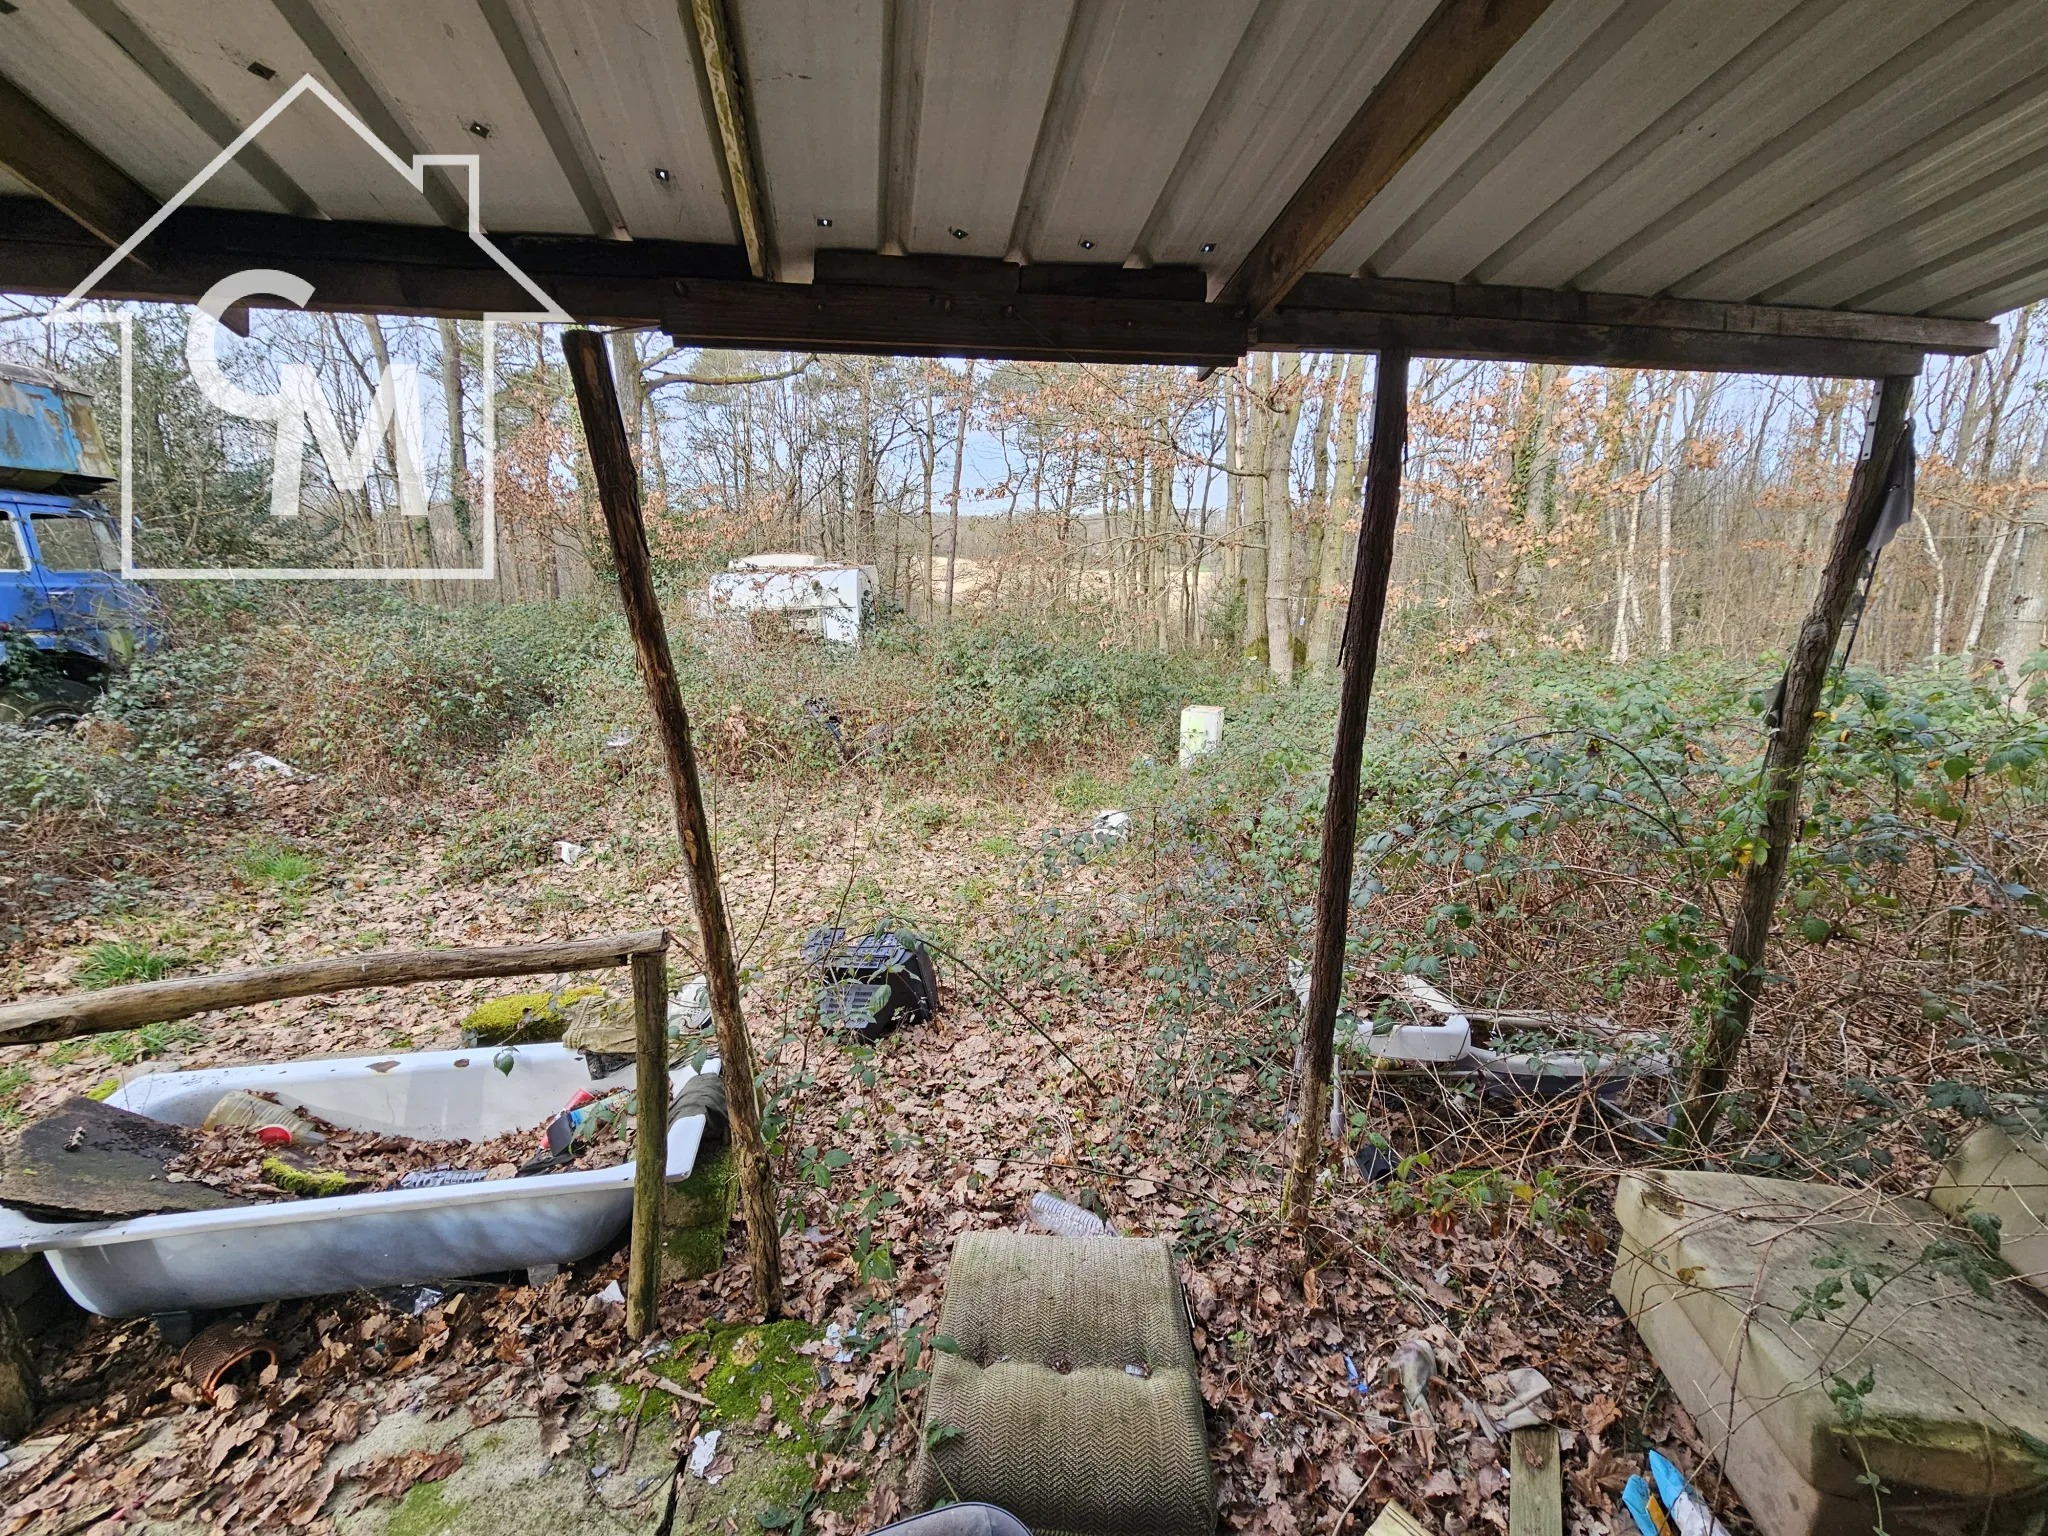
x=1118 y=1027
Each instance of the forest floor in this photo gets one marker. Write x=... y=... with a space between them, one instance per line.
x=1064 y=1070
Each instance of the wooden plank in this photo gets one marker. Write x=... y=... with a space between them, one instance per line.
x=1611 y=346
x=650 y=1141
x=73 y=175
x=156 y=1002
x=1373 y=565
x=1535 y=1484
x=1456 y=49
x=997 y=278
x=1563 y=306
x=871 y=318
x=937 y=306
x=618 y=495
x=720 y=78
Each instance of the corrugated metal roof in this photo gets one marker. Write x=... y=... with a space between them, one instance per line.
x=1889 y=155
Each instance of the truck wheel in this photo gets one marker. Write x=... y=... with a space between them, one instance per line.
x=54 y=706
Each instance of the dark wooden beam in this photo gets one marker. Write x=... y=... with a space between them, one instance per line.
x=992 y=276
x=1541 y=325
x=73 y=175
x=618 y=497
x=1456 y=49
x=1373 y=565
x=394 y=269
x=849 y=317
x=964 y=307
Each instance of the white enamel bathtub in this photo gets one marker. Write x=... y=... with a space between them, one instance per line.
x=257 y=1253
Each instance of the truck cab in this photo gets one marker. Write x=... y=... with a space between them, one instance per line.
x=69 y=621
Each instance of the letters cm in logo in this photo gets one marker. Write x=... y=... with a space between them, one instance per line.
x=301 y=406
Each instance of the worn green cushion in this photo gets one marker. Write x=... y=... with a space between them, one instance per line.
x=1074 y=1398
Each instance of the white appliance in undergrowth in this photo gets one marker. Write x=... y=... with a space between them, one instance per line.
x=798 y=594
x=255 y=1253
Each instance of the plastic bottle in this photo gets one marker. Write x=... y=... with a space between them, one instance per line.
x=273 y=1123
x=1062 y=1218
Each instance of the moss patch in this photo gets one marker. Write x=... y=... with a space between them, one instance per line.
x=424 y=1511
x=694 y=1220
x=522 y=1018
x=306 y=1183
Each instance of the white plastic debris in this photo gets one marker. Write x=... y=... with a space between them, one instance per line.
x=1062 y=1218
x=689 y=1006
x=612 y=1294
x=703 y=1451
x=1201 y=731
x=263 y=764
x=836 y=1341
x=1422 y=1042
x=569 y=852
x=620 y=740
x=1112 y=827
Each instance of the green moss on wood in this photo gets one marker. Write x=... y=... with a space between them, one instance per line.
x=306 y=1183
x=694 y=1219
x=523 y=1018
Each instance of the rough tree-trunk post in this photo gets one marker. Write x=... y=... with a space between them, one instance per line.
x=1784 y=760
x=650 y=1140
x=619 y=495
x=1361 y=654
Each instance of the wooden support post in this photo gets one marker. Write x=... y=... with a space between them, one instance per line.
x=1784 y=763
x=1361 y=652
x=618 y=490
x=650 y=1140
x=1535 y=1484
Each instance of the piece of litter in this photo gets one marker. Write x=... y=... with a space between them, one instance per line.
x=569 y=852
x=838 y=1340
x=598 y=1471
x=703 y=1450
x=1136 y=1370
x=612 y=1294
x=263 y=763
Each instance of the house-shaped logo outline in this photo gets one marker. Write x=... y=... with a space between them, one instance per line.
x=414 y=172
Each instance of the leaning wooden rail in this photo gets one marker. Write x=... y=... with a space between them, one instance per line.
x=155 y=1002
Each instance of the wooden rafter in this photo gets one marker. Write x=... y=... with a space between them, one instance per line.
x=965 y=307
x=68 y=171
x=728 y=108
x=1456 y=49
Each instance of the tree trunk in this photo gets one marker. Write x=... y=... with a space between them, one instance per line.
x=1258 y=432
x=864 y=473
x=1340 y=807
x=2026 y=632
x=1322 y=636
x=1783 y=766
x=959 y=459
x=1280 y=519
x=619 y=495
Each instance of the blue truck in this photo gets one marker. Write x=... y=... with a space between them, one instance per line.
x=69 y=621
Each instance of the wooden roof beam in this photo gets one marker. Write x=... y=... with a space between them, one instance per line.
x=718 y=69
x=1456 y=49
x=69 y=172
x=967 y=307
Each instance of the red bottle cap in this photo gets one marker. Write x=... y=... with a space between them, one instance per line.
x=274 y=1136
